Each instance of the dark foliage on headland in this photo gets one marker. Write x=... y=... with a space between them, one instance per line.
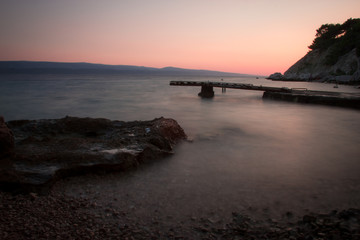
x=342 y=38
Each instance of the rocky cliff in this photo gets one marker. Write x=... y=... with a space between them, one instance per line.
x=334 y=56
x=312 y=68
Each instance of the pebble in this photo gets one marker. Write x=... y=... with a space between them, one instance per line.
x=63 y=217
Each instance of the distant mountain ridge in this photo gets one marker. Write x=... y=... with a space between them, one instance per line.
x=34 y=67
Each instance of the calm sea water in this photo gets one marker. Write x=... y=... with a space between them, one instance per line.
x=251 y=155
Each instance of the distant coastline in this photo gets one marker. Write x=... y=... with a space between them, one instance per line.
x=33 y=67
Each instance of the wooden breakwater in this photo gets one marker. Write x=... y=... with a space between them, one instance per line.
x=301 y=95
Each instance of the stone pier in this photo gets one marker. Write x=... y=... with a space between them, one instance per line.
x=206 y=91
x=302 y=95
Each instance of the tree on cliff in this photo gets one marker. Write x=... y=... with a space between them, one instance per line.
x=340 y=38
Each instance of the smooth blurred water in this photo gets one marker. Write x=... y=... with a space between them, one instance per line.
x=257 y=156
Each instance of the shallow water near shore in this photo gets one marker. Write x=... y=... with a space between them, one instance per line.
x=259 y=157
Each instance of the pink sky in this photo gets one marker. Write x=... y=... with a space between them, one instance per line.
x=243 y=36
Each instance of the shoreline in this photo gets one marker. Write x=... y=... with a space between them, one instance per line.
x=61 y=216
x=64 y=214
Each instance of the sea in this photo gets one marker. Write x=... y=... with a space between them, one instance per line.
x=262 y=158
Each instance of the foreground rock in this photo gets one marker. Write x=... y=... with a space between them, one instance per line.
x=46 y=150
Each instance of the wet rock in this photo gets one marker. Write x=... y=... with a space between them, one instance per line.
x=46 y=150
x=169 y=129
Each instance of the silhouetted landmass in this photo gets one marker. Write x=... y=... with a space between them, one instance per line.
x=334 y=56
x=30 y=67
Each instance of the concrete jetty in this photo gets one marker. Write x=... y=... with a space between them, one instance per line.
x=301 y=95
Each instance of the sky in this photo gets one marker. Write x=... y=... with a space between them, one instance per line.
x=242 y=36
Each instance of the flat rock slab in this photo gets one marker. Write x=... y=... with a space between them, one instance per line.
x=46 y=150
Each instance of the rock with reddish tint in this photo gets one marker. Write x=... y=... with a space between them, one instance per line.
x=169 y=129
x=46 y=150
x=6 y=140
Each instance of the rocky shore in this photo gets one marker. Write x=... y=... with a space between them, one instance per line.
x=57 y=216
x=36 y=153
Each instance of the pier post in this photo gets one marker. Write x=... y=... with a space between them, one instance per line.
x=206 y=91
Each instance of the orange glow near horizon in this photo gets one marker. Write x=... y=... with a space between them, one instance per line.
x=254 y=37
